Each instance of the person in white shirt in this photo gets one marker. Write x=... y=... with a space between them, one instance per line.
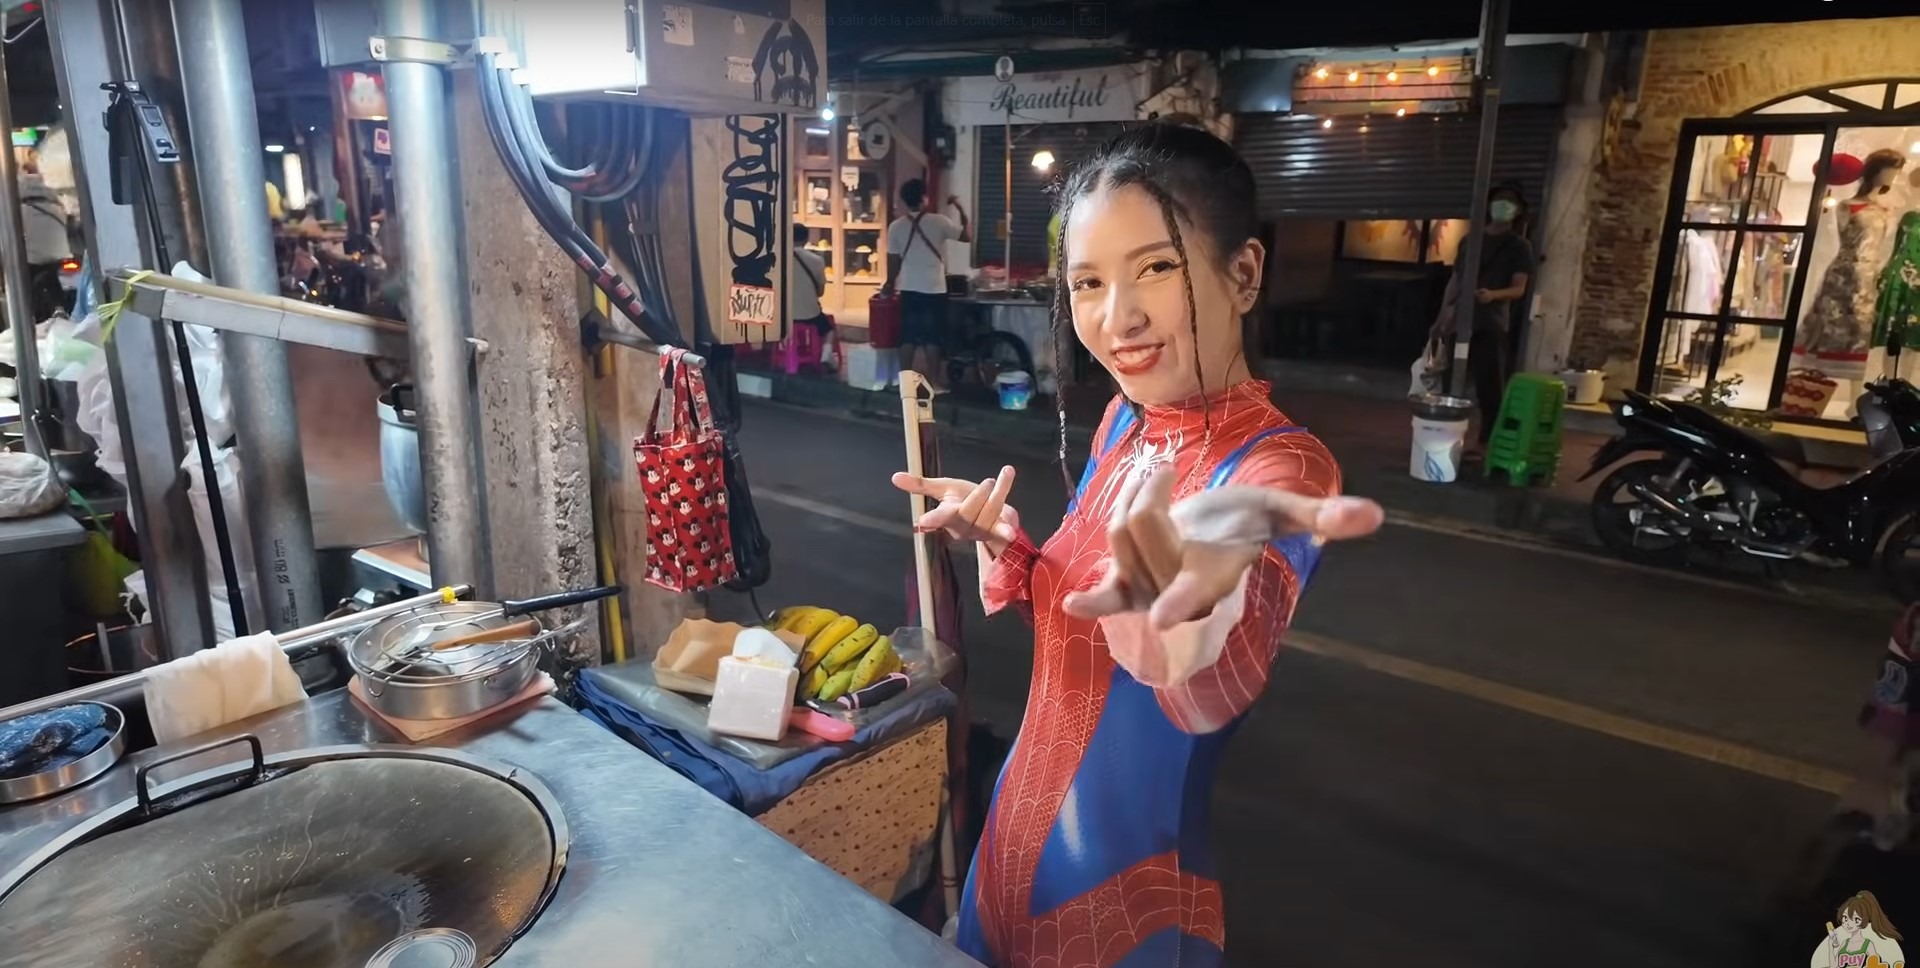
x=46 y=227
x=917 y=268
x=805 y=284
x=45 y=220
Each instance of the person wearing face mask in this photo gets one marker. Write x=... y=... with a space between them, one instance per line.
x=1506 y=267
x=1159 y=604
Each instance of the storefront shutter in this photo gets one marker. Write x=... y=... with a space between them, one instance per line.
x=1032 y=203
x=1415 y=167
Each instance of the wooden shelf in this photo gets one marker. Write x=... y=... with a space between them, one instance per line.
x=844 y=293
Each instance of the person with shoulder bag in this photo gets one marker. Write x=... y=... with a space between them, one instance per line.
x=917 y=269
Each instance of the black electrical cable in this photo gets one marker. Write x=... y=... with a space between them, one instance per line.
x=196 y=411
x=618 y=163
x=558 y=223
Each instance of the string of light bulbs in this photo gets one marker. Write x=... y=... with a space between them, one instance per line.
x=1392 y=75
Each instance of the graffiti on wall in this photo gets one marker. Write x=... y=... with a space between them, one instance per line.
x=785 y=67
x=752 y=180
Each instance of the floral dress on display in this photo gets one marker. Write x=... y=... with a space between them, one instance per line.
x=1837 y=331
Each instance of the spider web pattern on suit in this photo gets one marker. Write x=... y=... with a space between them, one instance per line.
x=1074 y=675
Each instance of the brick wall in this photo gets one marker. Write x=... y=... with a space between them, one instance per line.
x=1712 y=72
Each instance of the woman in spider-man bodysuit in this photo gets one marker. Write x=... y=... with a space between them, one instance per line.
x=1158 y=605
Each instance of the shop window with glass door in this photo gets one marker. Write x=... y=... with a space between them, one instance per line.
x=1791 y=259
x=1733 y=258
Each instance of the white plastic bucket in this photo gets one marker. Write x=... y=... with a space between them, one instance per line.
x=1584 y=387
x=869 y=368
x=1016 y=389
x=1437 y=446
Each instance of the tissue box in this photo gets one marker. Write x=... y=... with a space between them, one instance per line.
x=752 y=699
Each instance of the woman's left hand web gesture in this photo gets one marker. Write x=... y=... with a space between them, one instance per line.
x=1178 y=562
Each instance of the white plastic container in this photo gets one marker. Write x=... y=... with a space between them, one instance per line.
x=1016 y=389
x=871 y=369
x=752 y=699
x=1437 y=446
x=1584 y=387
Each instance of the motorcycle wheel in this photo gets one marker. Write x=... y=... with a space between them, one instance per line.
x=996 y=353
x=1613 y=520
x=1900 y=558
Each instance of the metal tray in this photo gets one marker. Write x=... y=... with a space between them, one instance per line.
x=47 y=783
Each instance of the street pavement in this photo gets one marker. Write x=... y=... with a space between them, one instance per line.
x=1474 y=750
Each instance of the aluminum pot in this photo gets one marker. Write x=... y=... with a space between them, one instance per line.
x=443 y=685
x=400 y=457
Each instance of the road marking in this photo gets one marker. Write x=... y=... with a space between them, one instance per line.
x=1693 y=745
x=897 y=528
x=1547 y=546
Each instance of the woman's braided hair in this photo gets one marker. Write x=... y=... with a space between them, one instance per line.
x=1196 y=178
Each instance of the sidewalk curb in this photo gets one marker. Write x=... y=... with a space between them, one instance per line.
x=1515 y=515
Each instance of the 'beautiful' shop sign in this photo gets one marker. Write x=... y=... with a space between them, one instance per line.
x=1106 y=94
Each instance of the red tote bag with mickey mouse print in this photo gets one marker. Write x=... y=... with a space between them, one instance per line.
x=683 y=471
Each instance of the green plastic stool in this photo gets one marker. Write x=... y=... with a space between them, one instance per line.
x=1527 y=434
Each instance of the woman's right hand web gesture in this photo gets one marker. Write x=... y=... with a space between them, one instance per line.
x=967 y=510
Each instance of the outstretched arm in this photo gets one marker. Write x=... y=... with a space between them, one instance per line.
x=1195 y=596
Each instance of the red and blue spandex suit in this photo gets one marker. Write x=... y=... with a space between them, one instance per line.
x=1096 y=849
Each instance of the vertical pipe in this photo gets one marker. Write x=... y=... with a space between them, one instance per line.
x=427 y=201
x=18 y=275
x=1493 y=46
x=218 y=84
x=83 y=38
x=146 y=34
x=1006 y=223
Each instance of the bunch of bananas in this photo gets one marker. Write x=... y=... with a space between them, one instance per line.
x=841 y=655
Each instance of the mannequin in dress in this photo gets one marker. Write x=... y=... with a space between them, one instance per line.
x=1836 y=333
x=1896 y=321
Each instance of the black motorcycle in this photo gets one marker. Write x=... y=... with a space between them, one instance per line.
x=1890 y=413
x=1716 y=486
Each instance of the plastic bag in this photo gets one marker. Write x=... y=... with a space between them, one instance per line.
x=209 y=374
x=28 y=486
x=96 y=416
x=226 y=464
x=1429 y=371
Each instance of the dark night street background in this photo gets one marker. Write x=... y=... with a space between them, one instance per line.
x=1472 y=752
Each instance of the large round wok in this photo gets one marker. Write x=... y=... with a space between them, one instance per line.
x=317 y=859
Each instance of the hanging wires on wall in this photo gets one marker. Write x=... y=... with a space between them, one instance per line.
x=619 y=146
x=616 y=168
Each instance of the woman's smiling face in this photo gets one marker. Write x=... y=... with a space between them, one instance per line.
x=1129 y=298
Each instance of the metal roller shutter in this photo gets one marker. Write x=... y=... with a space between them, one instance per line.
x=1032 y=202
x=1415 y=167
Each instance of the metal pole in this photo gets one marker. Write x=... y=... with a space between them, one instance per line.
x=85 y=53
x=1006 y=223
x=218 y=84
x=128 y=688
x=427 y=200
x=146 y=34
x=19 y=280
x=1492 y=59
